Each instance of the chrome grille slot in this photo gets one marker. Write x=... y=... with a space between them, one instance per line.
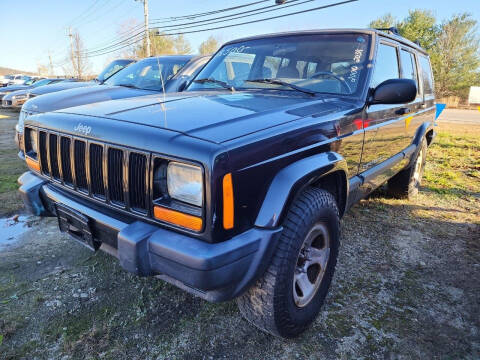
x=80 y=169
x=52 y=149
x=65 y=143
x=43 y=153
x=137 y=169
x=111 y=174
x=96 y=170
x=115 y=176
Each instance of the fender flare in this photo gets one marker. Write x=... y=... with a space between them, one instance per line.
x=291 y=180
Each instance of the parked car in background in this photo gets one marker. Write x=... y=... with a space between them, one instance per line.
x=235 y=187
x=15 y=99
x=113 y=68
x=19 y=79
x=181 y=79
x=28 y=85
x=6 y=79
x=110 y=70
x=149 y=76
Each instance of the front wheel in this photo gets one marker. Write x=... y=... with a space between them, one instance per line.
x=288 y=297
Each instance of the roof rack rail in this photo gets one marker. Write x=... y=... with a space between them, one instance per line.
x=392 y=30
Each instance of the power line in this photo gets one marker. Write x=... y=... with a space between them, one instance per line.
x=192 y=16
x=248 y=13
x=237 y=24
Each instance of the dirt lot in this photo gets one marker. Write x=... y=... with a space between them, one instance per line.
x=407 y=283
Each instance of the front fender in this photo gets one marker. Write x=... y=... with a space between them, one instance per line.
x=291 y=180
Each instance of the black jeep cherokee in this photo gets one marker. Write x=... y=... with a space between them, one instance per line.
x=235 y=187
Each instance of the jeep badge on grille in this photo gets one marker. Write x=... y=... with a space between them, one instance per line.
x=82 y=129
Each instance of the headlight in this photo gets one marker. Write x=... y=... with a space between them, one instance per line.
x=185 y=183
x=21 y=121
x=31 y=141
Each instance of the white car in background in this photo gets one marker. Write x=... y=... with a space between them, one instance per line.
x=18 y=79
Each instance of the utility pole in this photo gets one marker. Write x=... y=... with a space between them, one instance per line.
x=147 y=35
x=69 y=33
x=50 y=67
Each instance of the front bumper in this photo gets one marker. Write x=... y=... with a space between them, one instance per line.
x=215 y=272
x=17 y=103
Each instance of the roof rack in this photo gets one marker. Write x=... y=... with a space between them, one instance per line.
x=393 y=30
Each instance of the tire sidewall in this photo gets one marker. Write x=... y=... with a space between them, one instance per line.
x=303 y=316
x=413 y=187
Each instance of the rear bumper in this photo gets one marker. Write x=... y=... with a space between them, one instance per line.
x=215 y=272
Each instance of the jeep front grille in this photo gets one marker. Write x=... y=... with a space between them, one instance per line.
x=115 y=175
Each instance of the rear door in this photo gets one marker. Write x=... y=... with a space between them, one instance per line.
x=414 y=110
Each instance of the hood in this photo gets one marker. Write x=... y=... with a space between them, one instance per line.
x=15 y=93
x=13 y=88
x=64 y=85
x=215 y=116
x=81 y=96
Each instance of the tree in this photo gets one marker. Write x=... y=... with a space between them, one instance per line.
x=78 y=59
x=384 y=22
x=42 y=70
x=420 y=25
x=163 y=44
x=181 y=45
x=125 y=29
x=209 y=46
x=456 y=56
x=453 y=46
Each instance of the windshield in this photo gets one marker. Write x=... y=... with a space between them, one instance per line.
x=41 y=83
x=113 y=68
x=317 y=63
x=148 y=74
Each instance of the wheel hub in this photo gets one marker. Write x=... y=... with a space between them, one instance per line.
x=311 y=264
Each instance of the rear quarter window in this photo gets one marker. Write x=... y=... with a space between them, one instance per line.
x=427 y=77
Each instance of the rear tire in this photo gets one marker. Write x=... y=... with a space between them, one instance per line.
x=406 y=183
x=288 y=297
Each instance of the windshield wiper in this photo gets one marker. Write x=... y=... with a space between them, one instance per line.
x=284 y=83
x=215 y=81
x=128 y=86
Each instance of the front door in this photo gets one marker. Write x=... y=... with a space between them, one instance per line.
x=385 y=125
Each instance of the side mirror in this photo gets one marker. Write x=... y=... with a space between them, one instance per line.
x=394 y=91
x=182 y=85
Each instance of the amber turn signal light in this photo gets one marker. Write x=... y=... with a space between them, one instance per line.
x=228 y=202
x=32 y=164
x=175 y=217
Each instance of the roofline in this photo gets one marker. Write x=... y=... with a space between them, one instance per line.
x=329 y=31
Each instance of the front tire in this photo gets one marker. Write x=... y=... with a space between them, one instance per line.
x=288 y=297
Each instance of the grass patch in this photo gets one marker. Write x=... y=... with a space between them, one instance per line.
x=11 y=167
x=453 y=164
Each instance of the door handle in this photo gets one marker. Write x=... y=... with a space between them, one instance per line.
x=402 y=111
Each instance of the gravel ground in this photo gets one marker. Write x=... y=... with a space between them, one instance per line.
x=407 y=285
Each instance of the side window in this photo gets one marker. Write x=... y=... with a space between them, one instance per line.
x=408 y=66
x=427 y=77
x=386 y=66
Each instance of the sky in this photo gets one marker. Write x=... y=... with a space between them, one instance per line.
x=30 y=30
